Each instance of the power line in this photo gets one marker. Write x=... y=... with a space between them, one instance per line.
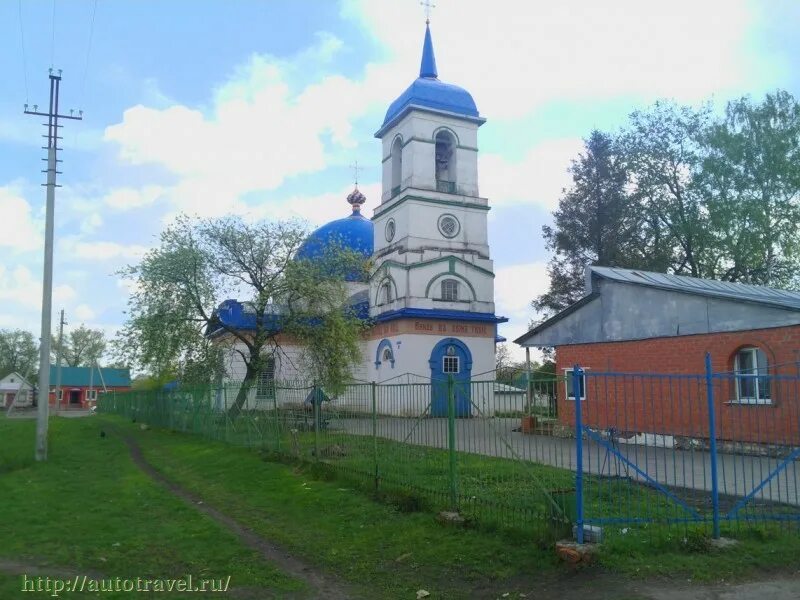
x=88 y=52
x=22 y=43
x=53 y=40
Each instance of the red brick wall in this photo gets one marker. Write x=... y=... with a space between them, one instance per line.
x=674 y=402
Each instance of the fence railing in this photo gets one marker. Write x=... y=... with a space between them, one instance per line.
x=446 y=445
x=637 y=450
x=685 y=450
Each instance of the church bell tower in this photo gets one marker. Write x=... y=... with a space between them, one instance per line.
x=433 y=278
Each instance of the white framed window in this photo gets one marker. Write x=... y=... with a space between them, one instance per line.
x=91 y=395
x=569 y=381
x=450 y=290
x=451 y=365
x=752 y=377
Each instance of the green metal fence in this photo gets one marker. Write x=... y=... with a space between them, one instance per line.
x=494 y=452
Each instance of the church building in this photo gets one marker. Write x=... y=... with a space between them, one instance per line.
x=430 y=294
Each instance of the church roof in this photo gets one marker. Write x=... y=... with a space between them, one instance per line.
x=354 y=233
x=428 y=93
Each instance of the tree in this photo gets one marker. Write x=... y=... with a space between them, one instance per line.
x=200 y=263
x=598 y=222
x=19 y=353
x=81 y=347
x=663 y=150
x=679 y=191
x=751 y=184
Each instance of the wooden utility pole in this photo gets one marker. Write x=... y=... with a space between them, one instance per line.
x=61 y=324
x=43 y=394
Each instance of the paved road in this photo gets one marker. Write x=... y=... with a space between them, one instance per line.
x=739 y=475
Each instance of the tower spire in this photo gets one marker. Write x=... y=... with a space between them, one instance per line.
x=427 y=67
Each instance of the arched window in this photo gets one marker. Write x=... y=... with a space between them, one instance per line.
x=384 y=355
x=752 y=379
x=445 y=162
x=265 y=385
x=397 y=165
x=386 y=293
x=450 y=290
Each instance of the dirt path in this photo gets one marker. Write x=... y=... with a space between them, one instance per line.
x=599 y=585
x=321 y=584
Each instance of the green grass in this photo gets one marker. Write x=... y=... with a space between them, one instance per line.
x=72 y=511
x=88 y=508
x=506 y=494
x=482 y=553
x=380 y=548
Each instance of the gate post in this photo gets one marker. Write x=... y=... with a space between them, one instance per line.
x=577 y=374
x=451 y=440
x=316 y=400
x=375 y=433
x=712 y=446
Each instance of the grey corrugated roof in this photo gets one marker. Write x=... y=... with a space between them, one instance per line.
x=704 y=287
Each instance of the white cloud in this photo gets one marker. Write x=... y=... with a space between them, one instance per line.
x=91 y=223
x=538 y=178
x=520 y=55
x=259 y=132
x=102 y=250
x=21 y=231
x=318 y=209
x=20 y=286
x=514 y=289
x=129 y=198
x=84 y=313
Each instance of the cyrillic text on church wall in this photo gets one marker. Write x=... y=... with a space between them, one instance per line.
x=432 y=327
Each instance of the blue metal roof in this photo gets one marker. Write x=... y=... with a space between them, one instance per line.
x=81 y=377
x=704 y=287
x=351 y=233
x=427 y=92
x=427 y=66
x=242 y=317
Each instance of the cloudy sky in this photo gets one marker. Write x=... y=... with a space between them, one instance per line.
x=258 y=107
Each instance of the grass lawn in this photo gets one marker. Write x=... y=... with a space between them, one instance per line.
x=90 y=509
x=384 y=551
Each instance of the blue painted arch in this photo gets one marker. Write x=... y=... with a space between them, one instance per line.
x=440 y=381
x=379 y=354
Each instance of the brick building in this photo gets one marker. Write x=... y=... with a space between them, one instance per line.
x=656 y=329
x=81 y=385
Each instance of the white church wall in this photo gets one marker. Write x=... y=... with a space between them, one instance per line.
x=416 y=225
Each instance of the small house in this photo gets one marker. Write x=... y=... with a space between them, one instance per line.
x=16 y=386
x=81 y=385
x=637 y=322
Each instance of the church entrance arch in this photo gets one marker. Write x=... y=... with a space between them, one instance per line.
x=450 y=358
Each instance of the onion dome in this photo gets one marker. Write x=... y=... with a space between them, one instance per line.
x=428 y=93
x=354 y=232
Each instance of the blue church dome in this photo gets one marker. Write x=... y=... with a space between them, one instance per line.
x=428 y=92
x=353 y=233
